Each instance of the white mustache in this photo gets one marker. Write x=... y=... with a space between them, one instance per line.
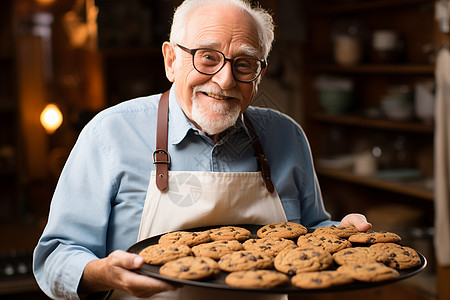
x=217 y=91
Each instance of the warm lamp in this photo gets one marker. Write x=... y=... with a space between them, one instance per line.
x=51 y=118
x=45 y=2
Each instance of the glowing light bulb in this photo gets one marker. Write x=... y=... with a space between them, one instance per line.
x=45 y=2
x=51 y=118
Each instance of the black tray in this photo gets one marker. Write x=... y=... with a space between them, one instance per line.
x=218 y=282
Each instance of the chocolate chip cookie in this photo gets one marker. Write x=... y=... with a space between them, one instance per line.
x=358 y=255
x=400 y=257
x=370 y=272
x=269 y=245
x=217 y=249
x=245 y=260
x=256 y=279
x=321 y=279
x=340 y=231
x=294 y=261
x=330 y=243
x=228 y=233
x=288 y=230
x=160 y=254
x=190 y=267
x=375 y=237
x=185 y=237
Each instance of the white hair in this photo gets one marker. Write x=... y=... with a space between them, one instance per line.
x=262 y=18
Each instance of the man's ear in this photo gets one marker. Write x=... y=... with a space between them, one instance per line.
x=263 y=71
x=169 y=60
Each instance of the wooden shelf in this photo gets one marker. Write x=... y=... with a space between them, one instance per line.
x=5 y=57
x=359 y=121
x=364 y=6
x=6 y=106
x=7 y=173
x=18 y=285
x=128 y=52
x=414 y=188
x=416 y=69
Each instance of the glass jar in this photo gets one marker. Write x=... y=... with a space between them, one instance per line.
x=348 y=42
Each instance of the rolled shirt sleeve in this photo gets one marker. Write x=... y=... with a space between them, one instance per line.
x=78 y=219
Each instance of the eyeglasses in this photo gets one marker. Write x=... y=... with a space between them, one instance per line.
x=210 y=61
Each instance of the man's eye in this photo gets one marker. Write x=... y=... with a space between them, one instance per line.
x=245 y=65
x=208 y=57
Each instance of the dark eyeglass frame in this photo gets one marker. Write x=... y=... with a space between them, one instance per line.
x=225 y=59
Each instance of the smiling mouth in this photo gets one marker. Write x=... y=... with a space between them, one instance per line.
x=216 y=96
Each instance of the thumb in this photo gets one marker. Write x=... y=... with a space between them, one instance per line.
x=126 y=260
x=138 y=261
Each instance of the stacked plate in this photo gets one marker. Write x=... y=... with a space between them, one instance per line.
x=397 y=104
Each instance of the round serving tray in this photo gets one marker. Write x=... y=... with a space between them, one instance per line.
x=218 y=281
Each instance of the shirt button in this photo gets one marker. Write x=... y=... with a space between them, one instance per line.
x=196 y=132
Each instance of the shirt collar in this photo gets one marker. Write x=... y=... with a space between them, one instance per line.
x=179 y=124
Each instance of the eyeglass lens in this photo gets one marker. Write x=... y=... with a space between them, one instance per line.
x=210 y=61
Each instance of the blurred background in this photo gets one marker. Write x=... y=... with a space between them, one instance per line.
x=359 y=76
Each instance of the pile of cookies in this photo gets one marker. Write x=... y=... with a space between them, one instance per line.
x=282 y=253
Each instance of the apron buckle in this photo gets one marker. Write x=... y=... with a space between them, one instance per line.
x=160 y=161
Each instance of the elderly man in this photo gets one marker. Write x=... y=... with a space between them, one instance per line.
x=196 y=156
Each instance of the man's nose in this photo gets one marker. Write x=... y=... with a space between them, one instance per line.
x=224 y=78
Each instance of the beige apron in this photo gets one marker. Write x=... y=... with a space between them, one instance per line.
x=196 y=199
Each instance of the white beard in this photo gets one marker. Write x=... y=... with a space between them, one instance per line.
x=227 y=111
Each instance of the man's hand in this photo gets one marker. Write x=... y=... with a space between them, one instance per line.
x=113 y=272
x=357 y=220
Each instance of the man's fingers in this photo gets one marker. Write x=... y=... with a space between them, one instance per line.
x=133 y=283
x=357 y=220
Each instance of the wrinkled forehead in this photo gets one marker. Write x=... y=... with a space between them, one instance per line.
x=223 y=27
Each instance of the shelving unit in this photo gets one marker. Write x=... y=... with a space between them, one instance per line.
x=347 y=134
x=414 y=188
x=130 y=36
x=132 y=72
x=9 y=118
x=370 y=79
x=425 y=69
x=330 y=7
x=355 y=120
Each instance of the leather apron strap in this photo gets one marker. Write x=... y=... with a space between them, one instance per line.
x=161 y=157
x=263 y=163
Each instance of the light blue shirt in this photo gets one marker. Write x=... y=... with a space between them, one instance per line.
x=98 y=201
